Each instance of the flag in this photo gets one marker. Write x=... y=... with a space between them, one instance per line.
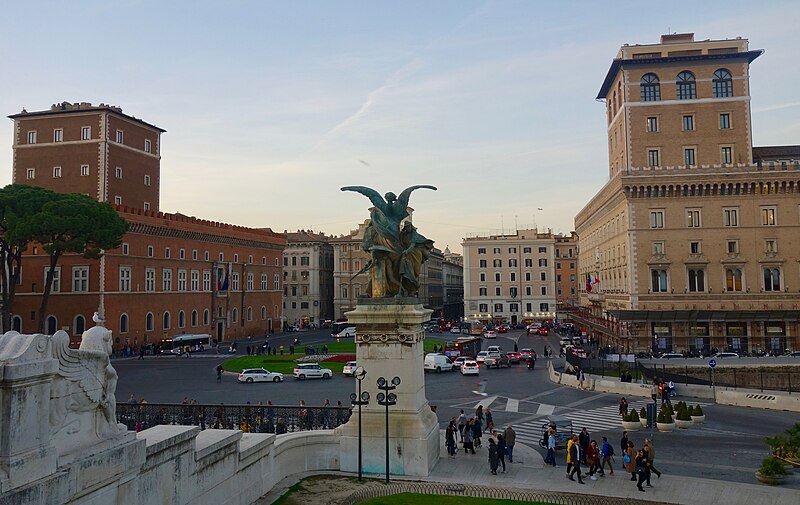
x=588 y=282
x=596 y=279
x=225 y=282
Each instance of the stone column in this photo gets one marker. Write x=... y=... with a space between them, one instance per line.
x=389 y=339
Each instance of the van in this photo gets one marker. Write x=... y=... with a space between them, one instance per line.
x=437 y=362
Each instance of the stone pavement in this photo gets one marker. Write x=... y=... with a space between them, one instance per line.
x=529 y=472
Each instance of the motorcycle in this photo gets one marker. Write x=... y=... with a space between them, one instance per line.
x=531 y=364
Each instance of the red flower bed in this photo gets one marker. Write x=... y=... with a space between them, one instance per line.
x=342 y=358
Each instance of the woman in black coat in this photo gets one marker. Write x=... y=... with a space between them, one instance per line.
x=494 y=457
x=502 y=450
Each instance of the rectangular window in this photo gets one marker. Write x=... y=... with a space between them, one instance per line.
x=512 y=250
x=119 y=137
x=498 y=307
x=55 y=287
x=146 y=205
x=125 y=248
x=496 y=250
x=528 y=291
x=526 y=250
x=688 y=156
x=497 y=291
x=181 y=280
x=146 y=146
x=235 y=281
x=544 y=307
x=726 y=155
x=150 y=279
x=497 y=277
x=542 y=250
x=58 y=135
x=117 y=200
x=31 y=173
x=730 y=217
x=544 y=290
x=86 y=132
x=768 y=216
x=513 y=277
x=656 y=219
x=733 y=246
x=658 y=248
x=195 y=280
x=694 y=247
x=56 y=172
x=80 y=278
x=543 y=262
x=250 y=280
x=182 y=253
x=528 y=262
x=167 y=252
x=118 y=172
x=31 y=137
x=149 y=251
x=724 y=121
x=497 y=263
x=770 y=246
x=652 y=124
x=543 y=276
x=482 y=292
x=124 y=278
x=693 y=218
x=483 y=307
x=512 y=263
x=84 y=170
x=481 y=250
x=207 y=281
x=276 y=282
x=688 y=122
x=482 y=263
x=652 y=157
x=482 y=277
x=236 y=258
x=166 y=279
x=146 y=180
x=264 y=281
x=527 y=276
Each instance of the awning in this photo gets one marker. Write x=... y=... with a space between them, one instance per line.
x=704 y=315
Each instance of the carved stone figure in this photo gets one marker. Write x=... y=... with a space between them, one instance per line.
x=396 y=255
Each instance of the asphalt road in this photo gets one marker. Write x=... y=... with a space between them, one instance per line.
x=729 y=446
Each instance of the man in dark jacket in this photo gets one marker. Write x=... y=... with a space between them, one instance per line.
x=583 y=439
x=574 y=456
x=623 y=443
x=511 y=437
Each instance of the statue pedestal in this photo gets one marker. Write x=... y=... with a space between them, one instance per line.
x=388 y=344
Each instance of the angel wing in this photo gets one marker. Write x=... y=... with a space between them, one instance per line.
x=402 y=200
x=74 y=367
x=374 y=197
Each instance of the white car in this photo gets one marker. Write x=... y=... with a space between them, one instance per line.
x=490 y=334
x=470 y=368
x=311 y=371
x=494 y=348
x=249 y=375
x=455 y=329
x=349 y=368
x=725 y=355
x=460 y=361
x=481 y=356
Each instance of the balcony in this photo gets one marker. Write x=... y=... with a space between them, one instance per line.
x=597 y=297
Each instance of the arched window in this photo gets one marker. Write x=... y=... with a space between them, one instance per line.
x=733 y=279
x=249 y=313
x=123 y=323
x=263 y=312
x=686 y=86
x=52 y=324
x=206 y=316
x=181 y=319
x=166 y=321
x=650 y=88
x=234 y=315
x=80 y=325
x=148 y=322
x=194 y=318
x=723 y=83
x=16 y=323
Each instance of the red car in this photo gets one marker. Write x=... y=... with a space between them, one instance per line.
x=502 y=329
x=544 y=331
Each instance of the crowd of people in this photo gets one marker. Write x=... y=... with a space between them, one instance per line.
x=469 y=432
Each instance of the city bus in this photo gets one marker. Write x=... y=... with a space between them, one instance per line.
x=464 y=346
x=472 y=327
x=176 y=344
x=339 y=326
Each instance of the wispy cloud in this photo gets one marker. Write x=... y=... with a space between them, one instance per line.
x=777 y=106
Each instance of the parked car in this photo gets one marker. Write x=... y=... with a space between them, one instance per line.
x=497 y=360
x=470 y=367
x=435 y=362
x=513 y=357
x=349 y=368
x=460 y=361
x=490 y=334
x=670 y=355
x=304 y=371
x=725 y=355
x=250 y=375
x=481 y=356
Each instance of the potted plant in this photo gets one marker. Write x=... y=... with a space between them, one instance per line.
x=697 y=415
x=786 y=445
x=771 y=471
x=664 y=421
x=630 y=421
x=643 y=417
x=684 y=419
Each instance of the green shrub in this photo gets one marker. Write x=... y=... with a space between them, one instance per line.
x=664 y=417
x=642 y=413
x=683 y=415
x=634 y=416
x=771 y=467
x=697 y=411
x=626 y=417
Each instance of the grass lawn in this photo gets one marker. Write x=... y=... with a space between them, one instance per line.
x=426 y=499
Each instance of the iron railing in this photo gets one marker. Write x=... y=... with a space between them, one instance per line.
x=248 y=418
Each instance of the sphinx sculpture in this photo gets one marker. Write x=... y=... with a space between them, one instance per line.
x=397 y=250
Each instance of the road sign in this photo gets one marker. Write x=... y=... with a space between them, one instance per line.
x=712 y=363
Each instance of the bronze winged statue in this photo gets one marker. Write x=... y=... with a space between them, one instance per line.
x=397 y=251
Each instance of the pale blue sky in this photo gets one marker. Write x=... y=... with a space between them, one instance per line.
x=270 y=107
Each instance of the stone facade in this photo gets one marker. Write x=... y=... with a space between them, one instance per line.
x=308 y=278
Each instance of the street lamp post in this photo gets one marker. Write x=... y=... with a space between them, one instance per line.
x=360 y=399
x=387 y=399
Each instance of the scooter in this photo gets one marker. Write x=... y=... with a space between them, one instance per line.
x=531 y=364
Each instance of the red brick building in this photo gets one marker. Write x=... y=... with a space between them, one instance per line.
x=173 y=274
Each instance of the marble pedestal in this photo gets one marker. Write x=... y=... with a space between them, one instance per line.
x=388 y=344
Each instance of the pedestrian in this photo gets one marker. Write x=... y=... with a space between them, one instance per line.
x=462 y=423
x=551 y=448
x=654 y=391
x=629 y=459
x=575 y=457
x=593 y=459
x=510 y=437
x=650 y=452
x=489 y=421
x=469 y=444
x=291 y=348
x=623 y=443
x=141 y=353
x=623 y=407
x=132 y=398
x=642 y=470
x=581 y=379
x=479 y=413
x=583 y=440
x=477 y=430
x=665 y=395
x=450 y=439
x=606 y=453
x=501 y=451
x=494 y=458
x=570 y=462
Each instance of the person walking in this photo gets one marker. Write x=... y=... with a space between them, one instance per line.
x=570 y=461
x=593 y=459
x=629 y=459
x=450 y=439
x=583 y=439
x=141 y=353
x=650 y=452
x=550 y=459
x=494 y=458
x=623 y=407
x=623 y=443
x=489 y=427
x=606 y=453
x=477 y=431
x=468 y=438
x=575 y=457
x=642 y=470
x=462 y=423
x=501 y=451
x=510 y=437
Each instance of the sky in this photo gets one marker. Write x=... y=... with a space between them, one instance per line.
x=271 y=107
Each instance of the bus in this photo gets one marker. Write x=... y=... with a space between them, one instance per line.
x=472 y=327
x=338 y=326
x=464 y=346
x=176 y=344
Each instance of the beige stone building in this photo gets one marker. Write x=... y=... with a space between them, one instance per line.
x=307 y=278
x=694 y=242
x=453 y=274
x=567 y=282
x=510 y=277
